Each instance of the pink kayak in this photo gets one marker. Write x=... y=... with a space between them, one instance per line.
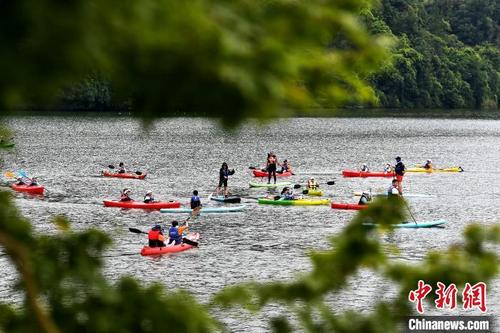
x=123 y=175
x=354 y=173
x=142 y=205
x=260 y=173
x=33 y=189
x=348 y=206
x=151 y=251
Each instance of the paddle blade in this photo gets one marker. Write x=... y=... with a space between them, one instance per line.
x=189 y=242
x=331 y=182
x=305 y=191
x=9 y=174
x=138 y=173
x=136 y=231
x=252 y=167
x=297 y=186
x=111 y=166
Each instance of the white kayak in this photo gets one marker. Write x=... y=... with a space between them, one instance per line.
x=412 y=225
x=204 y=210
x=405 y=195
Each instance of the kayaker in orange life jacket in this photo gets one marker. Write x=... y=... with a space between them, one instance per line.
x=125 y=195
x=155 y=237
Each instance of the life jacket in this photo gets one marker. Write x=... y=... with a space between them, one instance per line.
x=399 y=169
x=154 y=235
x=224 y=173
x=173 y=233
x=195 y=201
x=125 y=197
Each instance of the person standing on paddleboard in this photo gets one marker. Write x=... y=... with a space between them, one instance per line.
x=224 y=174
x=399 y=170
x=271 y=167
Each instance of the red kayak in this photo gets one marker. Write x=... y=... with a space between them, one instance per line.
x=354 y=173
x=123 y=175
x=142 y=205
x=348 y=206
x=260 y=173
x=33 y=189
x=151 y=251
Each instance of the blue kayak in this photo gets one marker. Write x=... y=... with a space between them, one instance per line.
x=413 y=225
x=205 y=210
x=221 y=198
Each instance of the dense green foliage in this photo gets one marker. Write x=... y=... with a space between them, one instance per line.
x=228 y=59
x=255 y=58
x=447 y=54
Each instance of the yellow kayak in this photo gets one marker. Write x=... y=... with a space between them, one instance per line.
x=310 y=191
x=296 y=202
x=420 y=169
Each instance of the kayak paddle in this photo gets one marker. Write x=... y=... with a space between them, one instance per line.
x=137 y=231
x=9 y=174
x=331 y=182
x=409 y=211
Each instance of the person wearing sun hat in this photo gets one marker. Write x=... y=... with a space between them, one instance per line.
x=125 y=195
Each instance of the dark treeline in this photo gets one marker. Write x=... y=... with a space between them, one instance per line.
x=446 y=55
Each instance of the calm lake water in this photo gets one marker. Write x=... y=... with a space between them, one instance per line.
x=180 y=155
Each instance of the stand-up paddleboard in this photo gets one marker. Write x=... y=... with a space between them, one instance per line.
x=204 y=210
x=413 y=225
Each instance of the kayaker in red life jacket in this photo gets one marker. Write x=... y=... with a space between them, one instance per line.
x=121 y=168
x=155 y=237
x=399 y=170
x=364 y=168
x=125 y=195
x=148 y=198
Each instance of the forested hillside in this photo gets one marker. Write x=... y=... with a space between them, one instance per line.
x=446 y=55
